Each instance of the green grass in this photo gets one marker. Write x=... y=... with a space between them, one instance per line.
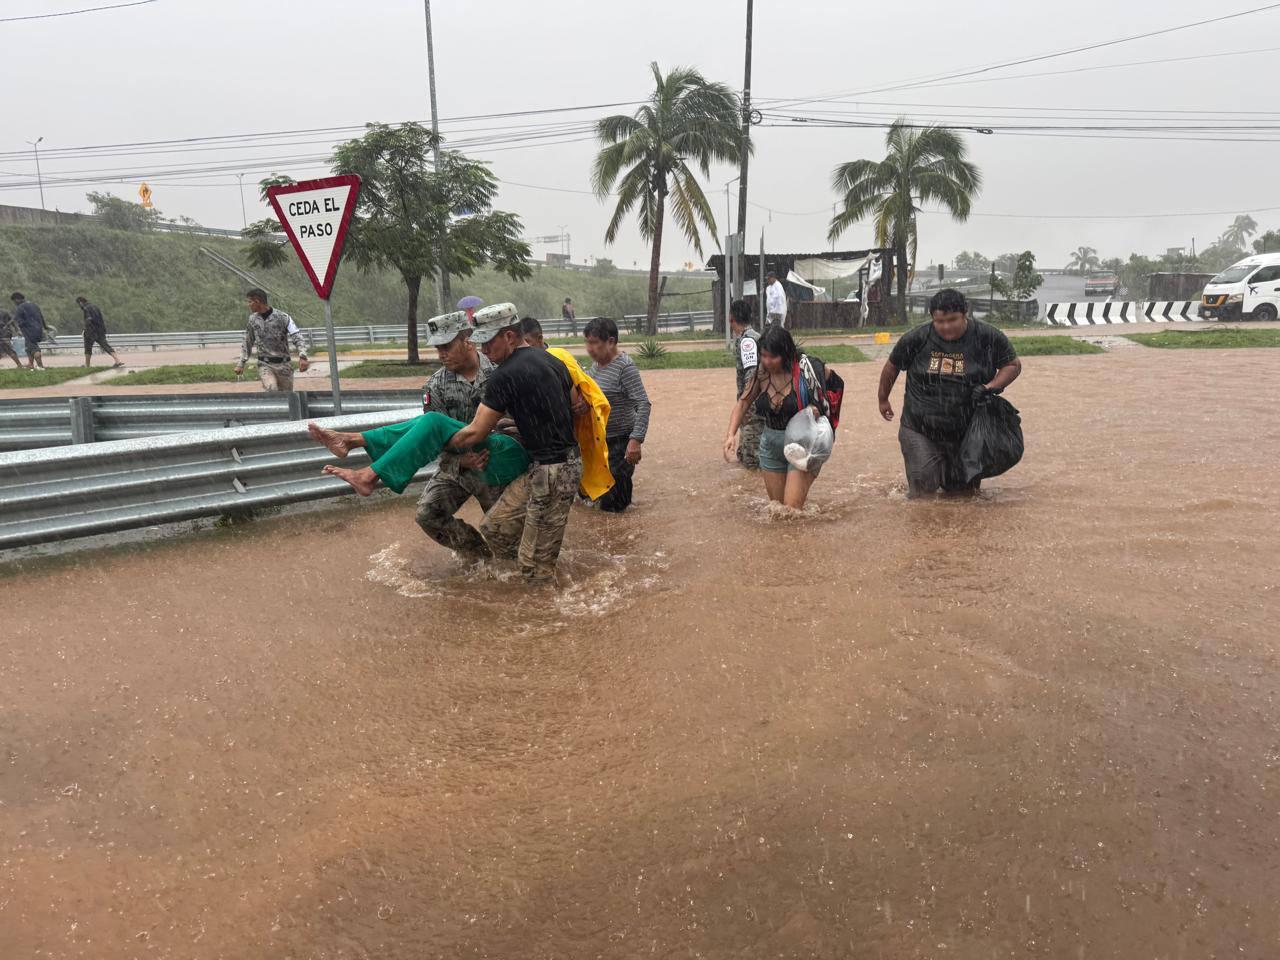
x=15 y=379
x=1207 y=339
x=1053 y=346
x=183 y=373
x=388 y=370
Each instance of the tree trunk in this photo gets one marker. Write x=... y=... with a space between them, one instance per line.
x=415 y=285
x=900 y=251
x=655 y=267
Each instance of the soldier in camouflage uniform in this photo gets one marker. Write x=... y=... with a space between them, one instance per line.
x=8 y=326
x=746 y=352
x=455 y=390
x=271 y=331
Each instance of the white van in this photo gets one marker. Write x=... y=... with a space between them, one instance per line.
x=1248 y=290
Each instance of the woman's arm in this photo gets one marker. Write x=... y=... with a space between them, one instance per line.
x=888 y=377
x=739 y=413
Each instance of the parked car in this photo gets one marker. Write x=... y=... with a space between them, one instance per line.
x=1246 y=290
x=1101 y=285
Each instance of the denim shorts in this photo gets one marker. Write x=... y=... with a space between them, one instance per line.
x=772 y=459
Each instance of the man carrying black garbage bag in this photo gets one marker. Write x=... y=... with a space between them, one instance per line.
x=953 y=364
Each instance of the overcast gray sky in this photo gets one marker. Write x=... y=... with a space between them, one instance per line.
x=198 y=68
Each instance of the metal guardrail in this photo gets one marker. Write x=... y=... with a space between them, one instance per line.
x=80 y=491
x=32 y=424
x=367 y=333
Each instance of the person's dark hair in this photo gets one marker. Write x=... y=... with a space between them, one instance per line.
x=82 y=299
x=530 y=325
x=602 y=328
x=777 y=341
x=771 y=275
x=568 y=299
x=16 y=297
x=257 y=293
x=740 y=312
x=949 y=300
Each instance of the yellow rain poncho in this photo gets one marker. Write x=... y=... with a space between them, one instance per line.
x=589 y=429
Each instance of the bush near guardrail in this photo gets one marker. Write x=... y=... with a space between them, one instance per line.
x=63 y=493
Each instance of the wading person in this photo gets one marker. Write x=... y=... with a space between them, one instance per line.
x=271 y=332
x=775 y=300
x=95 y=331
x=952 y=364
x=31 y=324
x=8 y=326
x=746 y=354
x=629 y=408
x=786 y=382
x=533 y=388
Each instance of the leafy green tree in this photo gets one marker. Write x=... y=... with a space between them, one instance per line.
x=966 y=260
x=1241 y=229
x=119 y=214
x=1024 y=280
x=1220 y=255
x=603 y=267
x=921 y=166
x=406 y=213
x=267 y=246
x=650 y=157
x=1269 y=242
x=1112 y=264
x=1083 y=259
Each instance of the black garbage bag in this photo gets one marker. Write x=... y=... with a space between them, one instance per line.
x=993 y=442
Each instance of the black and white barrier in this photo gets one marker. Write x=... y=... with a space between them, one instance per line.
x=1122 y=311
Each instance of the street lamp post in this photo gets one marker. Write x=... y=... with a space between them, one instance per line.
x=244 y=216
x=35 y=145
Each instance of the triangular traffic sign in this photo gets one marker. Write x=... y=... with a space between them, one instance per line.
x=315 y=215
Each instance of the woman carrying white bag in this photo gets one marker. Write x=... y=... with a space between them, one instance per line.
x=799 y=400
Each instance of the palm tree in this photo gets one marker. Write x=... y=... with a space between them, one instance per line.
x=1241 y=229
x=1083 y=259
x=688 y=121
x=923 y=165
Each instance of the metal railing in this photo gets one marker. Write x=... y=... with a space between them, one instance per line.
x=367 y=333
x=80 y=491
x=32 y=424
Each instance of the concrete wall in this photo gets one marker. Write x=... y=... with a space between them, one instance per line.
x=30 y=217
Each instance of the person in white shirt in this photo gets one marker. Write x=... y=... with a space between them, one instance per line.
x=775 y=300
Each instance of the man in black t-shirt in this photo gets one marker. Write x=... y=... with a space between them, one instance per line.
x=953 y=364
x=527 y=523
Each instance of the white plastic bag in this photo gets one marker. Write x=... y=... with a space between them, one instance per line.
x=809 y=439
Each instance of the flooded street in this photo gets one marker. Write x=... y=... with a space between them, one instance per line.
x=1041 y=724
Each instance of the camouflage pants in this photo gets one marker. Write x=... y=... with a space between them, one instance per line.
x=749 y=440
x=527 y=523
x=276 y=376
x=444 y=495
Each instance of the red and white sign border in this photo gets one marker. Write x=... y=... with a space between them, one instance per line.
x=323 y=286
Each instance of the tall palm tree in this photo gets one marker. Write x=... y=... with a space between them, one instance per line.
x=923 y=165
x=1083 y=259
x=687 y=122
x=1241 y=229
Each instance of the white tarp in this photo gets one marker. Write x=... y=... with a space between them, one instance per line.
x=818 y=268
x=749 y=286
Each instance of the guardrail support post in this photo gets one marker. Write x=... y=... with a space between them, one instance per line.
x=298 y=405
x=81 y=419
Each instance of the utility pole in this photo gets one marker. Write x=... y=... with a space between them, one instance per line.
x=743 y=155
x=35 y=145
x=443 y=295
x=243 y=214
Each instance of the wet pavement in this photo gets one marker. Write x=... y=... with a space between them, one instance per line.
x=1040 y=724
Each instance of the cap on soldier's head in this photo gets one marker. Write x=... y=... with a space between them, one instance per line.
x=445 y=328
x=488 y=322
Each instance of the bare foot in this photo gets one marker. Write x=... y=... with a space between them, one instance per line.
x=363 y=481
x=331 y=440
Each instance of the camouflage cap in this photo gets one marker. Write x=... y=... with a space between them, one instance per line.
x=445 y=328
x=488 y=322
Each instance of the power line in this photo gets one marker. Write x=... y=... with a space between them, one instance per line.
x=73 y=13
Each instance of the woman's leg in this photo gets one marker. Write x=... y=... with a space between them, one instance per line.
x=797 y=484
x=419 y=442
x=775 y=484
x=335 y=441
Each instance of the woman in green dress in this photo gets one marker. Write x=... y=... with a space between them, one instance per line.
x=398 y=452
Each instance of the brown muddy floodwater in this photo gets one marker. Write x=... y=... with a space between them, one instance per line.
x=1043 y=724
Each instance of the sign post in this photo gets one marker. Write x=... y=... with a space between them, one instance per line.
x=315 y=215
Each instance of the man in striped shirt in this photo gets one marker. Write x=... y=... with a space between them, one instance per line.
x=629 y=408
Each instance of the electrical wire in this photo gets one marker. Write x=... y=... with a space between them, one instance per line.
x=74 y=13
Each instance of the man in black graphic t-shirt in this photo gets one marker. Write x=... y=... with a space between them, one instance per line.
x=533 y=389
x=952 y=363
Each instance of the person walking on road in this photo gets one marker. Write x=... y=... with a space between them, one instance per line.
x=31 y=322
x=8 y=326
x=746 y=353
x=95 y=331
x=775 y=300
x=533 y=388
x=570 y=316
x=629 y=408
x=271 y=331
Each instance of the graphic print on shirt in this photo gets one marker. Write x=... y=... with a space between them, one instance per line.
x=946 y=364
